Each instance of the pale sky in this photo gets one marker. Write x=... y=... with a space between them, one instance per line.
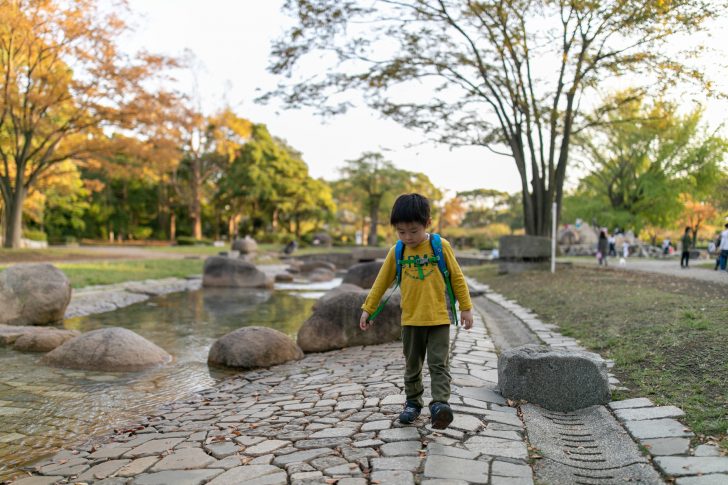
x=231 y=40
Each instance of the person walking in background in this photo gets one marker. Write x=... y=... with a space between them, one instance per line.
x=666 y=246
x=723 y=248
x=602 y=247
x=713 y=250
x=625 y=253
x=612 y=245
x=686 y=241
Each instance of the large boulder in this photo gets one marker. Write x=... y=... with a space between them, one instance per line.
x=252 y=348
x=363 y=274
x=33 y=294
x=226 y=272
x=558 y=380
x=335 y=323
x=113 y=349
x=342 y=288
x=246 y=245
x=44 y=341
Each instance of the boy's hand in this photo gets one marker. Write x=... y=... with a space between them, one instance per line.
x=363 y=324
x=467 y=318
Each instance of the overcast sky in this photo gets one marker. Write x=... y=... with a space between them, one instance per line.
x=231 y=41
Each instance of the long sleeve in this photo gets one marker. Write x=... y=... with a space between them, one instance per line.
x=457 y=279
x=386 y=276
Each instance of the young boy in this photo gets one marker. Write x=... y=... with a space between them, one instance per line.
x=425 y=318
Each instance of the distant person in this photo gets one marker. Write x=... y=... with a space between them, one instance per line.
x=602 y=248
x=625 y=253
x=290 y=247
x=495 y=254
x=723 y=248
x=425 y=318
x=666 y=245
x=612 y=245
x=714 y=251
x=686 y=242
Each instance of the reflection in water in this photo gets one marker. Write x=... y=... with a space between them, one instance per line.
x=43 y=408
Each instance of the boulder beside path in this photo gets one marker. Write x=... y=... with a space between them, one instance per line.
x=335 y=322
x=112 y=349
x=252 y=348
x=33 y=294
x=363 y=274
x=558 y=380
x=220 y=271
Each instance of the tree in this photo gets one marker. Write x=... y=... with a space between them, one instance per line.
x=507 y=75
x=210 y=144
x=63 y=80
x=696 y=215
x=453 y=213
x=374 y=178
x=639 y=168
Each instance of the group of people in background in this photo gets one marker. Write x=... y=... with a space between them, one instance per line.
x=720 y=246
x=606 y=246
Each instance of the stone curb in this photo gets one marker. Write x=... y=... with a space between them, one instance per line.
x=653 y=427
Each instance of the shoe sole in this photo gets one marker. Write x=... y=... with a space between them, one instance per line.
x=442 y=419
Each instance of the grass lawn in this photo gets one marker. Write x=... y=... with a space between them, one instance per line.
x=8 y=256
x=109 y=272
x=667 y=336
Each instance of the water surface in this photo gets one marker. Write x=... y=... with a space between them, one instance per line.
x=44 y=408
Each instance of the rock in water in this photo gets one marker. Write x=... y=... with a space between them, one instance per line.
x=226 y=272
x=335 y=323
x=558 y=380
x=363 y=274
x=33 y=294
x=44 y=341
x=252 y=348
x=247 y=245
x=113 y=349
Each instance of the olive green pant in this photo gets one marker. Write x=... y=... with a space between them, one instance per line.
x=433 y=341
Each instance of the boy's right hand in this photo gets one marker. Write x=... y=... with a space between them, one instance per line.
x=363 y=324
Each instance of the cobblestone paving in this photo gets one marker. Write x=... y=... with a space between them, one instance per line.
x=329 y=418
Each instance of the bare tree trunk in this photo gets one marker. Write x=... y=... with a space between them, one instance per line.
x=374 y=219
x=172 y=226
x=14 y=219
x=196 y=212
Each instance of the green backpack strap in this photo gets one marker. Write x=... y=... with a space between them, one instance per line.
x=398 y=253
x=436 y=243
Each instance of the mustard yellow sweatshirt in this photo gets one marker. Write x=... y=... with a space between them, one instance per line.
x=423 y=300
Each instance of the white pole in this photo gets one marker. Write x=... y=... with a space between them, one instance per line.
x=553 y=238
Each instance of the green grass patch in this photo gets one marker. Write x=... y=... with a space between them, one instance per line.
x=110 y=272
x=666 y=335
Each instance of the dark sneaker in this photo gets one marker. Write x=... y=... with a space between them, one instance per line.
x=441 y=415
x=410 y=413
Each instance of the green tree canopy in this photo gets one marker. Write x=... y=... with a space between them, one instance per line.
x=641 y=162
x=508 y=76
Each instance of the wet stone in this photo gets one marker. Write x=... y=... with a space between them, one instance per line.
x=102 y=470
x=154 y=447
x=38 y=480
x=140 y=465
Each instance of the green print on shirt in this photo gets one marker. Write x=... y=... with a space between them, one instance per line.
x=415 y=262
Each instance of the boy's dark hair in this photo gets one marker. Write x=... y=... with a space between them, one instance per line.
x=410 y=208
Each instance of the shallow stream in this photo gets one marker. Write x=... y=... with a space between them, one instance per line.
x=43 y=409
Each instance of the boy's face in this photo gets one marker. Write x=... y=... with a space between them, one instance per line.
x=411 y=233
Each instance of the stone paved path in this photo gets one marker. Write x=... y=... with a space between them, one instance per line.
x=328 y=417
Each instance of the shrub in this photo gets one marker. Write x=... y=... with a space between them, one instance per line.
x=35 y=235
x=191 y=241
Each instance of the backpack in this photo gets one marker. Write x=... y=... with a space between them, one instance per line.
x=438 y=257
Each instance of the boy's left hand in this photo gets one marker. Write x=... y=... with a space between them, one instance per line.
x=467 y=318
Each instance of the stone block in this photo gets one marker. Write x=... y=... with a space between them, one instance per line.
x=525 y=248
x=558 y=380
